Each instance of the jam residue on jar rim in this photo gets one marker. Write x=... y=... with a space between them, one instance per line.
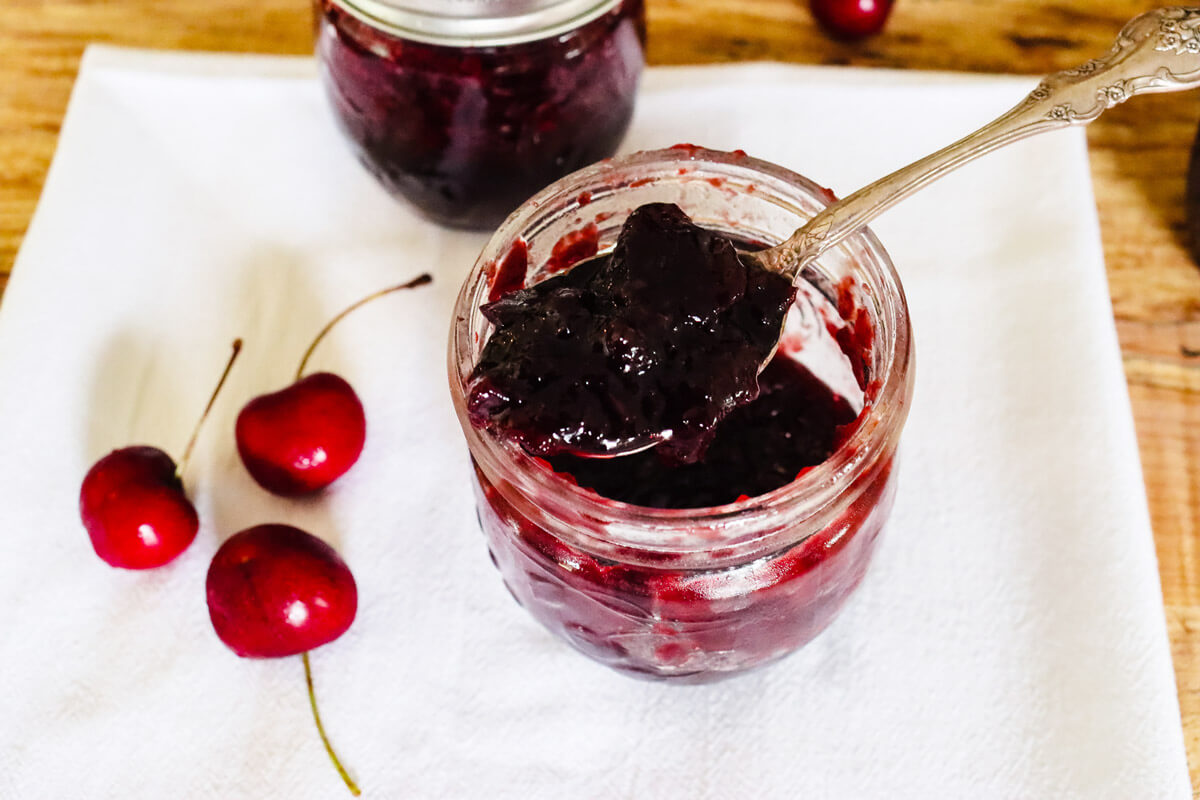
x=721 y=534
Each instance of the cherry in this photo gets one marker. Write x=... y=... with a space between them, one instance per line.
x=133 y=505
x=276 y=591
x=134 y=508
x=851 y=19
x=302 y=438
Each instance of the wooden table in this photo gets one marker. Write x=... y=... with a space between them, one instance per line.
x=1139 y=158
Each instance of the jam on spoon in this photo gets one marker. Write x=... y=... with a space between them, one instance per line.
x=652 y=344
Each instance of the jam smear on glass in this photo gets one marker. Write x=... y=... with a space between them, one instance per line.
x=687 y=625
x=659 y=340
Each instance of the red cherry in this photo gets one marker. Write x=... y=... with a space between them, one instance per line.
x=275 y=590
x=851 y=19
x=304 y=437
x=134 y=509
x=132 y=501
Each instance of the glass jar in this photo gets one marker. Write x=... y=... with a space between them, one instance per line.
x=693 y=595
x=467 y=107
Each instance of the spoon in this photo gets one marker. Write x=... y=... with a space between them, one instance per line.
x=1158 y=51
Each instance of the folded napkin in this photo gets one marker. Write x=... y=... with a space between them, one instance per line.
x=1008 y=641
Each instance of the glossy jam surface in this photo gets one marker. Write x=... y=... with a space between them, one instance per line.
x=658 y=341
x=794 y=424
x=468 y=133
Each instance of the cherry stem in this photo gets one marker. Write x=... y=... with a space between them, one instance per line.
x=187 y=451
x=312 y=699
x=420 y=280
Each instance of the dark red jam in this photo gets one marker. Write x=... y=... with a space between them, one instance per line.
x=794 y=424
x=468 y=133
x=657 y=341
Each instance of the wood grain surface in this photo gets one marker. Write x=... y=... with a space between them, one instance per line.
x=1139 y=155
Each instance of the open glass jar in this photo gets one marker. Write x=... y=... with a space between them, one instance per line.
x=693 y=594
x=467 y=107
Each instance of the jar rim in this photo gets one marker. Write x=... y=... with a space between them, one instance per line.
x=733 y=524
x=475 y=23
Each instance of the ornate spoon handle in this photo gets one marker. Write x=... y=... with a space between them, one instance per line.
x=1158 y=51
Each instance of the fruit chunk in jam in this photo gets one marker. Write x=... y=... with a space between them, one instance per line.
x=468 y=133
x=657 y=341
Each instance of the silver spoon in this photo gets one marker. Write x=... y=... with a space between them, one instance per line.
x=1158 y=51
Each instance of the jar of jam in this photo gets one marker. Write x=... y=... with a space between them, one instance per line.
x=468 y=107
x=694 y=573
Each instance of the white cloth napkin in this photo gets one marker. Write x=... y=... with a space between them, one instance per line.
x=1008 y=641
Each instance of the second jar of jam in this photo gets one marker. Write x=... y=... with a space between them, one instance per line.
x=467 y=107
